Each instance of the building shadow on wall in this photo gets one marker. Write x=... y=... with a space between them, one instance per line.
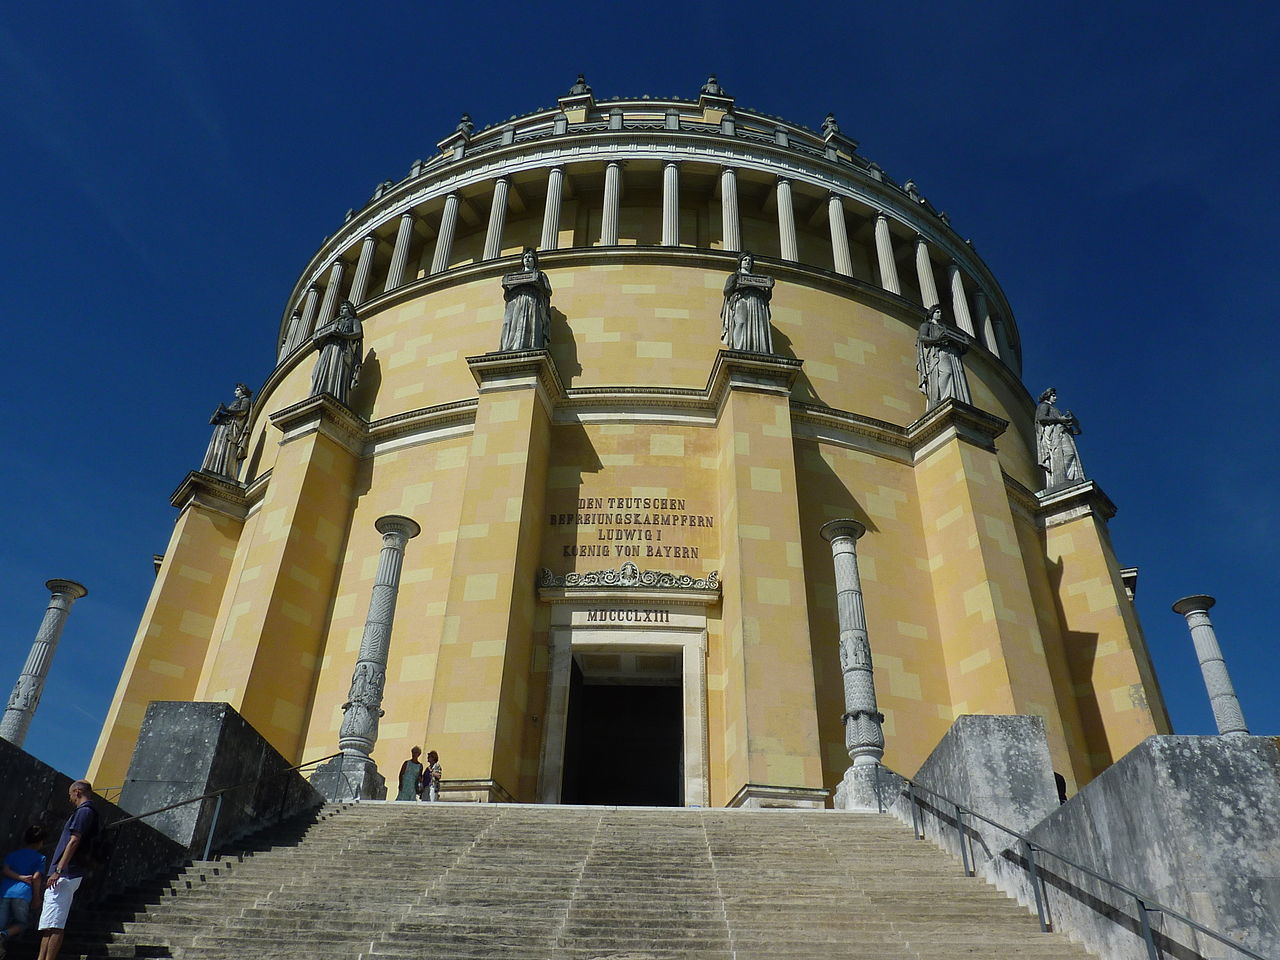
x=825 y=496
x=1081 y=650
x=366 y=391
x=564 y=349
x=803 y=389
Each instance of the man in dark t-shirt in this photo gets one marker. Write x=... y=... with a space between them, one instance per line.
x=67 y=868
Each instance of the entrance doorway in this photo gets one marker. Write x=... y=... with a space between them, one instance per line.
x=625 y=729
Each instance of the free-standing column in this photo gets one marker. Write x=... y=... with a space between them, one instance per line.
x=309 y=306
x=959 y=300
x=985 y=322
x=444 y=239
x=730 y=226
x=671 y=204
x=329 y=305
x=364 y=267
x=551 y=213
x=497 y=218
x=884 y=254
x=1222 y=695
x=612 y=197
x=839 y=235
x=400 y=253
x=26 y=692
x=360 y=713
x=786 y=221
x=924 y=269
x=863 y=735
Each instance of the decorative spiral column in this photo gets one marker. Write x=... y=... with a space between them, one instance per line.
x=26 y=692
x=863 y=736
x=363 y=708
x=1222 y=695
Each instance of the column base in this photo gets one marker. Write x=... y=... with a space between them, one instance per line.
x=761 y=796
x=349 y=777
x=868 y=788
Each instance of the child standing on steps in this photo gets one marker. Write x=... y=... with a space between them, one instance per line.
x=23 y=880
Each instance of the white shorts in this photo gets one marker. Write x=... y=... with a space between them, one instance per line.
x=57 y=903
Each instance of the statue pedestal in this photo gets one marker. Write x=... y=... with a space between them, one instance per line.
x=868 y=788
x=349 y=777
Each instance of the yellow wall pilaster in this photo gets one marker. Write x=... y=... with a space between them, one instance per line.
x=276 y=618
x=486 y=644
x=770 y=709
x=991 y=643
x=177 y=625
x=1117 y=697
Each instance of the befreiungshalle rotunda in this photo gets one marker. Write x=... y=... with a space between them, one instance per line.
x=545 y=473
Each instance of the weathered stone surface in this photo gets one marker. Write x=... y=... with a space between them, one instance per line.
x=34 y=792
x=188 y=749
x=1190 y=821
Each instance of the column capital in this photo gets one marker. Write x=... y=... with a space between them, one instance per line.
x=369 y=236
x=75 y=591
x=846 y=527
x=671 y=163
x=313 y=287
x=1200 y=603
x=396 y=525
x=619 y=163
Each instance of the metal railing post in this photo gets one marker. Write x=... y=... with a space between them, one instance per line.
x=917 y=816
x=964 y=849
x=879 y=799
x=1030 y=852
x=1148 y=937
x=208 y=840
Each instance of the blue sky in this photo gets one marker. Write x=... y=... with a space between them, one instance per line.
x=169 y=169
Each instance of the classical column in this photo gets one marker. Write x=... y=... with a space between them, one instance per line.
x=364 y=267
x=986 y=323
x=786 y=221
x=924 y=270
x=730 y=226
x=959 y=300
x=551 y=213
x=444 y=239
x=329 y=305
x=400 y=253
x=863 y=736
x=839 y=235
x=309 y=307
x=1222 y=695
x=26 y=692
x=671 y=204
x=497 y=218
x=884 y=254
x=612 y=197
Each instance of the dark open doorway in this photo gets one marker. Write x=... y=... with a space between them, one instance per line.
x=623 y=740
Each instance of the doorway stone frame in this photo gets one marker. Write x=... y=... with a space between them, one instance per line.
x=628 y=610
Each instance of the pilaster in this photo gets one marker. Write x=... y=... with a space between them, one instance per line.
x=1118 y=699
x=489 y=613
x=991 y=643
x=772 y=747
x=177 y=624
x=274 y=623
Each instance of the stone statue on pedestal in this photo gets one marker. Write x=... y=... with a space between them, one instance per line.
x=938 y=352
x=226 y=446
x=1055 y=443
x=526 y=321
x=341 y=346
x=744 y=318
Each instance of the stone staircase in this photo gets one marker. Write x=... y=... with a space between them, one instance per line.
x=510 y=882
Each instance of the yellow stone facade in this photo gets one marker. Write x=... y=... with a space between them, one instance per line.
x=636 y=437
